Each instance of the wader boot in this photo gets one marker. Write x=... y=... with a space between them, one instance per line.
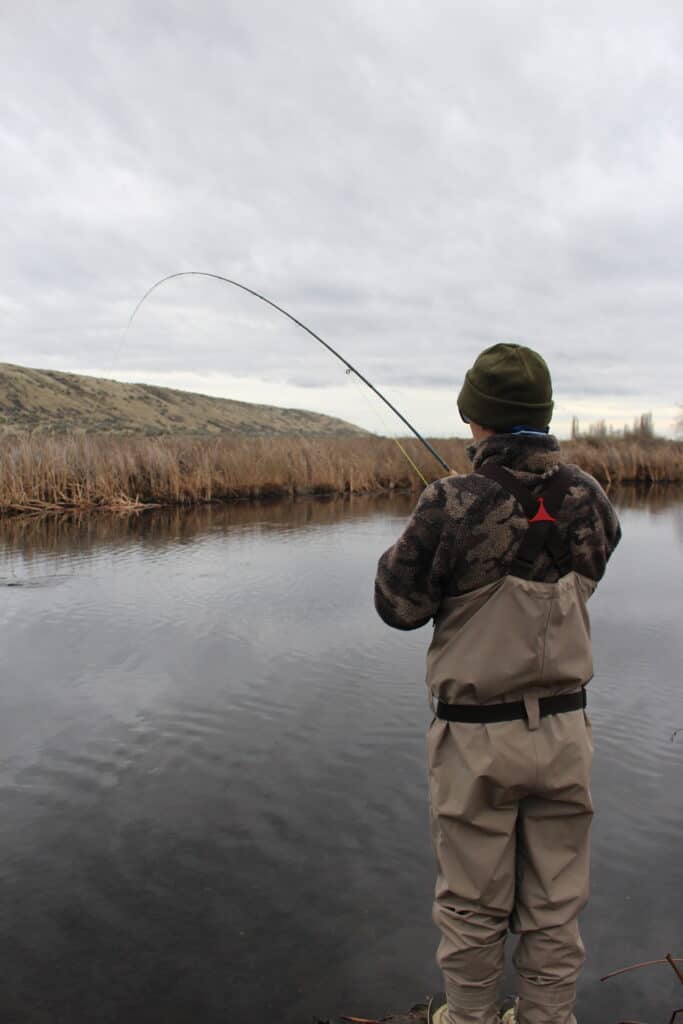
x=509 y=754
x=437 y=1011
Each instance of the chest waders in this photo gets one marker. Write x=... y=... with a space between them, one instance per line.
x=509 y=773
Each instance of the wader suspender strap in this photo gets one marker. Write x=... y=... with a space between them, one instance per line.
x=540 y=512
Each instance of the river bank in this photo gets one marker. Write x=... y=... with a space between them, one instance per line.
x=43 y=473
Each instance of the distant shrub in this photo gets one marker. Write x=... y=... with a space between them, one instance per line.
x=643 y=429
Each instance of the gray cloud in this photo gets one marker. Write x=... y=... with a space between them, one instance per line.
x=414 y=181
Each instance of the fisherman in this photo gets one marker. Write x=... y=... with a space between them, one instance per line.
x=504 y=560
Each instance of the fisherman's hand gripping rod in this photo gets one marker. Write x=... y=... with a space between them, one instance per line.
x=347 y=364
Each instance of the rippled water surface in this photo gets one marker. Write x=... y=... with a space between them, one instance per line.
x=212 y=770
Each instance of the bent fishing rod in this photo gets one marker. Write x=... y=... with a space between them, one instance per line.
x=349 y=367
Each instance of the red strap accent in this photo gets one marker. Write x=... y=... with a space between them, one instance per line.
x=542 y=516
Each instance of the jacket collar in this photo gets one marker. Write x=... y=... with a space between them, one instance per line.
x=527 y=453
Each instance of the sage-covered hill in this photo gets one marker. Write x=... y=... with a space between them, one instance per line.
x=56 y=402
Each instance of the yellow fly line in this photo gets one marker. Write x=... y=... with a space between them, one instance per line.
x=417 y=470
x=378 y=411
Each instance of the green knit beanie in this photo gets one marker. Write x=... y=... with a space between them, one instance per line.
x=508 y=386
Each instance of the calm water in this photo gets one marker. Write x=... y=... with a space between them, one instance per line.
x=212 y=774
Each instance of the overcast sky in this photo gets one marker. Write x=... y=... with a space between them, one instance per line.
x=414 y=180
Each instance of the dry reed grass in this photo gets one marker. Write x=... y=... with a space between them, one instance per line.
x=41 y=472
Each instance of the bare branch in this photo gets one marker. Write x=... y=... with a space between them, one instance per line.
x=647 y=963
x=677 y=969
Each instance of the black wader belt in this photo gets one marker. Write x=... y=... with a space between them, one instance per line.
x=483 y=713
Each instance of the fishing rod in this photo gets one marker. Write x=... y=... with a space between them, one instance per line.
x=349 y=367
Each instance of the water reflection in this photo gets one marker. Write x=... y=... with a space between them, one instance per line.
x=62 y=534
x=652 y=499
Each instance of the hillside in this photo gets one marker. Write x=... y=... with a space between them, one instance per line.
x=58 y=402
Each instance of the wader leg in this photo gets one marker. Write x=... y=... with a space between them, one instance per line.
x=552 y=887
x=473 y=831
x=470 y=955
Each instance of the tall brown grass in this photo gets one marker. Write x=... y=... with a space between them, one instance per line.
x=40 y=472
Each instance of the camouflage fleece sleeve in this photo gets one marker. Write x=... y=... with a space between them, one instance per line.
x=595 y=530
x=407 y=591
